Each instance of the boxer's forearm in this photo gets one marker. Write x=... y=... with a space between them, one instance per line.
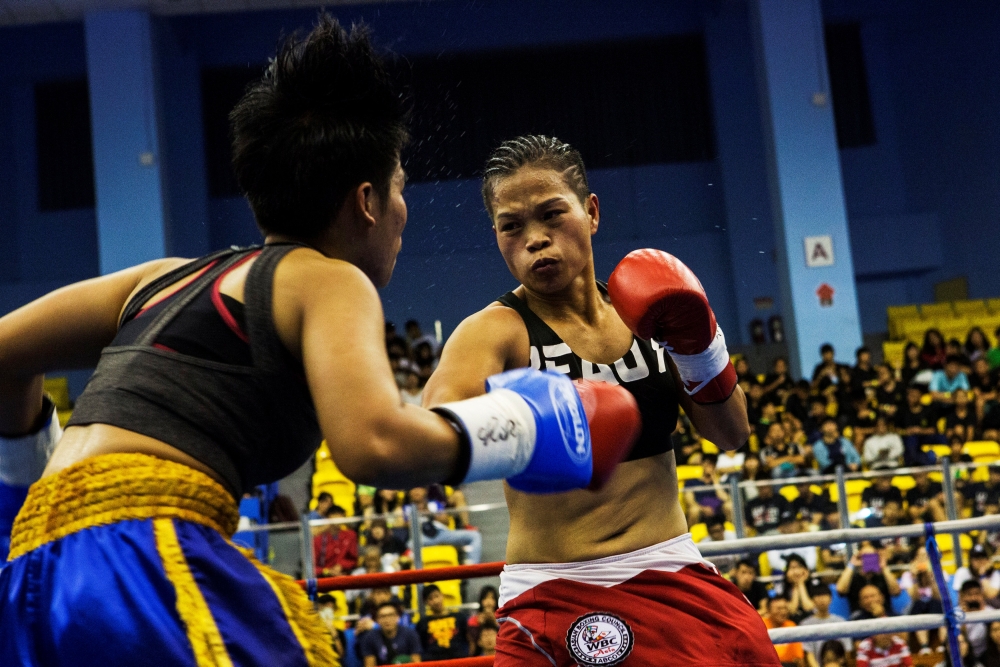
x=724 y=424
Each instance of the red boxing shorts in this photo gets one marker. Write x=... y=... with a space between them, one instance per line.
x=662 y=605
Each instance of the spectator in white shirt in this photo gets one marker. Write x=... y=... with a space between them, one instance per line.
x=882 y=449
x=981 y=569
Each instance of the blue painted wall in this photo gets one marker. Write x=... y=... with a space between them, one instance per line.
x=923 y=203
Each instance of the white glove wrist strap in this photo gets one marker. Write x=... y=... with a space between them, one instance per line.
x=22 y=459
x=500 y=427
x=700 y=369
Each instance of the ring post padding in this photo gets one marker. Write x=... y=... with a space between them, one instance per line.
x=953 y=618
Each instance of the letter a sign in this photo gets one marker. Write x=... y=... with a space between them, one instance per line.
x=819 y=251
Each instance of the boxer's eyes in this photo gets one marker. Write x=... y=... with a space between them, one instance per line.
x=509 y=227
x=552 y=214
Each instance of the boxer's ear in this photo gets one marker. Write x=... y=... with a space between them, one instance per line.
x=593 y=208
x=366 y=203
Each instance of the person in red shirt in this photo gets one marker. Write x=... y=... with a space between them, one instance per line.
x=884 y=650
x=335 y=549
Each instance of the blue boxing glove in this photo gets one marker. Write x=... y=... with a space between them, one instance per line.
x=531 y=428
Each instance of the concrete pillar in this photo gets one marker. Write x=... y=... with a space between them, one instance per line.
x=126 y=138
x=741 y=156
x=815 y=269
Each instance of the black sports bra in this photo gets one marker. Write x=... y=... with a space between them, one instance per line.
x=242 y=408
x=643 y=371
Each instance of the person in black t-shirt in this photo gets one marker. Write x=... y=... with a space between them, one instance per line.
x=864 y=377
x=812 y=507
x=778 y=382
x=984 y=497
x=442 y=634
x=763 y=513
x=878 y=494
x=710 y=499
x=961 y=418
x=889 y=394
x=918 y=424
x=925 y=501
x=826 y=368
x=957 y=453
x=797 y=403
x=744 y=575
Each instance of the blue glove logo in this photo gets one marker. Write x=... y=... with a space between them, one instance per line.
x=572 y=425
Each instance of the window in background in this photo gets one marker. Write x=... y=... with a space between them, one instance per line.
x=620 y=103
x=852 y=106
x=63 y=144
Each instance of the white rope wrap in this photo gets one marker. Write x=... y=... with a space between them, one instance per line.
x=23 y=459
x=501 y=430
x=703 y=367
x=875 y=626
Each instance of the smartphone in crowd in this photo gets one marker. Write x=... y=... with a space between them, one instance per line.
x=870 y=563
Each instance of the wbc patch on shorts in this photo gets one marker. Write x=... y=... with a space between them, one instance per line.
x=599 y=639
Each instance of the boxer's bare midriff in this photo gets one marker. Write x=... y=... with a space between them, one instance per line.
x=83 y=442
x=637 y=508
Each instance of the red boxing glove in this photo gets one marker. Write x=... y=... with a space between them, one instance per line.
x=615 y=423
x=661 y=299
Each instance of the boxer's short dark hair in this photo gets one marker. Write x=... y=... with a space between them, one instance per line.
x=325 y=118
x=535 y=150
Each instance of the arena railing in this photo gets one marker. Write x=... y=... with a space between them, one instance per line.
x=840 y=478
x=951 y=619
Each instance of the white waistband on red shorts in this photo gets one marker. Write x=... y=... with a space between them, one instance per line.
x=670 y=556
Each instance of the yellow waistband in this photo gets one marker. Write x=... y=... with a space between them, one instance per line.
x=116 y=487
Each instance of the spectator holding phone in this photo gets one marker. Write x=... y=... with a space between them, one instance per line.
x=867 y=567
x=926 y=598
x=971 y=598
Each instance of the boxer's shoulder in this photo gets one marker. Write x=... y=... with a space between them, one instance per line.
x=498 y=329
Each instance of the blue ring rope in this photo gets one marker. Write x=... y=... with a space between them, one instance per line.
x=953 y=617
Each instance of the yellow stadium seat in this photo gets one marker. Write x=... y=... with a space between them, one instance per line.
x=935 y=477
x=993 y=305
x=853 y=502
x=913 y=330
x=856 y=486
x=688 y=472
x=892 y=353
x=789 y=492
x=903 y=482
x=982 y=448
x=765 y=565
x=444 y=556
x=936 y=310
x=976 y=308
x=324 y=461
x=926 y=399
x=699 y=531
x=339 y=609
x=946 y=544
x=981 y=474
x=896 y=314
x=58 y=390
x=708 y=447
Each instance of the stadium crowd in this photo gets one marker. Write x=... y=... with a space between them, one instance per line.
x=941 y=402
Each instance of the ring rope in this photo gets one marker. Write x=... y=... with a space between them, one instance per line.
x=953 y=618
x=383 y=579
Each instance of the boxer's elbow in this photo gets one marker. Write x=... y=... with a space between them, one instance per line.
x=734 y=437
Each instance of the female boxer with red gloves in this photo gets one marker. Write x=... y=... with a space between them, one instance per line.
x=609 y=576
